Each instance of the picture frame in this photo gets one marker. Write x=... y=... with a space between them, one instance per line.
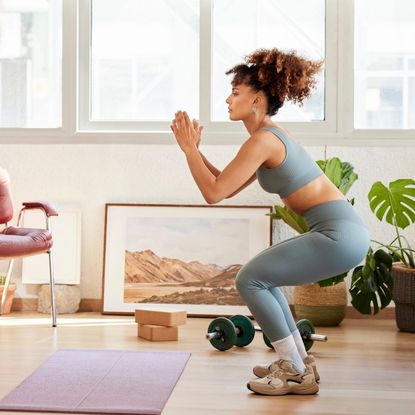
x=182 y=257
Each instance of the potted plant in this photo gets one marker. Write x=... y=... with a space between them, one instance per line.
x=325 y=302
x=9 y=296
x=389 y=275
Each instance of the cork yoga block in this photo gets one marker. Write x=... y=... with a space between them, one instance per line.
x=161 y=317
x=157 y=333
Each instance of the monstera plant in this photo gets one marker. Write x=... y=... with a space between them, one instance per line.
x=396 y=205
x=389 y=273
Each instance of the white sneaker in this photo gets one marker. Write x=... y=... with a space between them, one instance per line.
x=264 y=370
x=284 y=379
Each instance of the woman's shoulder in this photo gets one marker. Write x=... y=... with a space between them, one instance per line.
x=270 y=136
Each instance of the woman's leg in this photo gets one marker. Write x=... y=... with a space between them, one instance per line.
x=304 y=259
x=330 y=248
x=279 y=296
x=282 y=301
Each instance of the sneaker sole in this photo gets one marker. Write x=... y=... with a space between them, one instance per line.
x=261 y=373
x=294 y=390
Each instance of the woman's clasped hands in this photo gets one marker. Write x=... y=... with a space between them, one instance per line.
x=187 y=132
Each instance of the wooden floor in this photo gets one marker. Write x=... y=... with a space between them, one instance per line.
x=366 y=367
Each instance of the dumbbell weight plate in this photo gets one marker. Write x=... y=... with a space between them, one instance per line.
x=306 y=327
x=267 y=341
x=246 y=330
x=228 y=333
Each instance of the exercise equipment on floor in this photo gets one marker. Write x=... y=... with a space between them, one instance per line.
x=224 y=333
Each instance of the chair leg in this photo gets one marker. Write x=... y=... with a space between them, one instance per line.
x=52 y=277
x=6 y=286
x=52 y=288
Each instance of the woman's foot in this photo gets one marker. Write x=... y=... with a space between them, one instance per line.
x=264 y=370
x=284 y=378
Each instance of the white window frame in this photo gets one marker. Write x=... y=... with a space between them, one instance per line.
x=337 y=128
x=68 y=103
x=214 y=131
x=346 y=89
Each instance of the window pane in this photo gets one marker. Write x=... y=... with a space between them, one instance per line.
x=30 y=63
x=411 y=103
x=145 y=59
x=241 y=26
x=384 y=57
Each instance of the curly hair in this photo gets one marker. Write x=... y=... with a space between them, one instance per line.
x=280 y=75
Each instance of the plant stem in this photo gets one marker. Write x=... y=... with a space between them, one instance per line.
x=397 y=235
x=392 y=246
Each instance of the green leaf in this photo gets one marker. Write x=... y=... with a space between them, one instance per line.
x=380 y=256
x=340 y=173
x=322 y=164
x=349 y=177
x=328 y=282
x=372 y=284
x=296 y=222
x=395 y=204
x=333 y=171
x=362 y=303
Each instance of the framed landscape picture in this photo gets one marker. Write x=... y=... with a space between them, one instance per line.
x=180 y=256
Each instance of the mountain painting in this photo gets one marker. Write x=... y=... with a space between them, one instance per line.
x=184 y=260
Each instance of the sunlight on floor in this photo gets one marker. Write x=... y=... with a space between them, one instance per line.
x=75 y=320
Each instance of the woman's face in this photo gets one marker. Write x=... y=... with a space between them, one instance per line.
x=240 y=102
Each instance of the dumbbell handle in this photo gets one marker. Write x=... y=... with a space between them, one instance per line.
x=213 y=335
x=217 y=334
x=313 y=337
x=316 y=337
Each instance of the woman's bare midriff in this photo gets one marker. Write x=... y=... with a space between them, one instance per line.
x=318 y=191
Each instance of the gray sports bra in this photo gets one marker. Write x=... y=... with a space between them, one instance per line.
x=297 y=169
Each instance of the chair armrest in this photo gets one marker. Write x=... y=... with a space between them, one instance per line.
x=48 y=208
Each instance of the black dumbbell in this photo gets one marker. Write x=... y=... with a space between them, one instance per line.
x=238 y=330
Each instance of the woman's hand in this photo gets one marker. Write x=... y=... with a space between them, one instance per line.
x=187 y=133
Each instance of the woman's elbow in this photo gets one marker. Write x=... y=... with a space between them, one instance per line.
x=214 y=195
x=212 y=199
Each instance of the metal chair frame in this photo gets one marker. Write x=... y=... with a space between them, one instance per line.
x=51 y=266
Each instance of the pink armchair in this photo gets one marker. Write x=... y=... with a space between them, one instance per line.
x=17 y=242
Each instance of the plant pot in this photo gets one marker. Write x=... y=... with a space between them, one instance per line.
x=9 y=297
x=323 y=306
x=404 y=296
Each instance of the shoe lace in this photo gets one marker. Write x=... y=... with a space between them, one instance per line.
x=277 y=373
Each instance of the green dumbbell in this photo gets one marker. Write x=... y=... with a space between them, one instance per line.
x=307 y=332
x=224 y=333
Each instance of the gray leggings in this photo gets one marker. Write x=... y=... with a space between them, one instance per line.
x=338 y=240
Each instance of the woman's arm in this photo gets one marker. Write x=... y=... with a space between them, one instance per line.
x=236 y=174
x=216 y=172
x=252 y=179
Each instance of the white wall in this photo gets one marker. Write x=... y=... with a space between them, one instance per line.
x=91 y=175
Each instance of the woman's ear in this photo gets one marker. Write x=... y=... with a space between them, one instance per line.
x=260 y=99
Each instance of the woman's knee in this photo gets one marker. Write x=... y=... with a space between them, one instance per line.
x=247 y=278
x=244 y=278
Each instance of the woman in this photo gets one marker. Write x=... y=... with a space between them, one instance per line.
x=338 y=239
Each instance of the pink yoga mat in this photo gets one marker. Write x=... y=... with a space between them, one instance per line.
x=100 y=381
